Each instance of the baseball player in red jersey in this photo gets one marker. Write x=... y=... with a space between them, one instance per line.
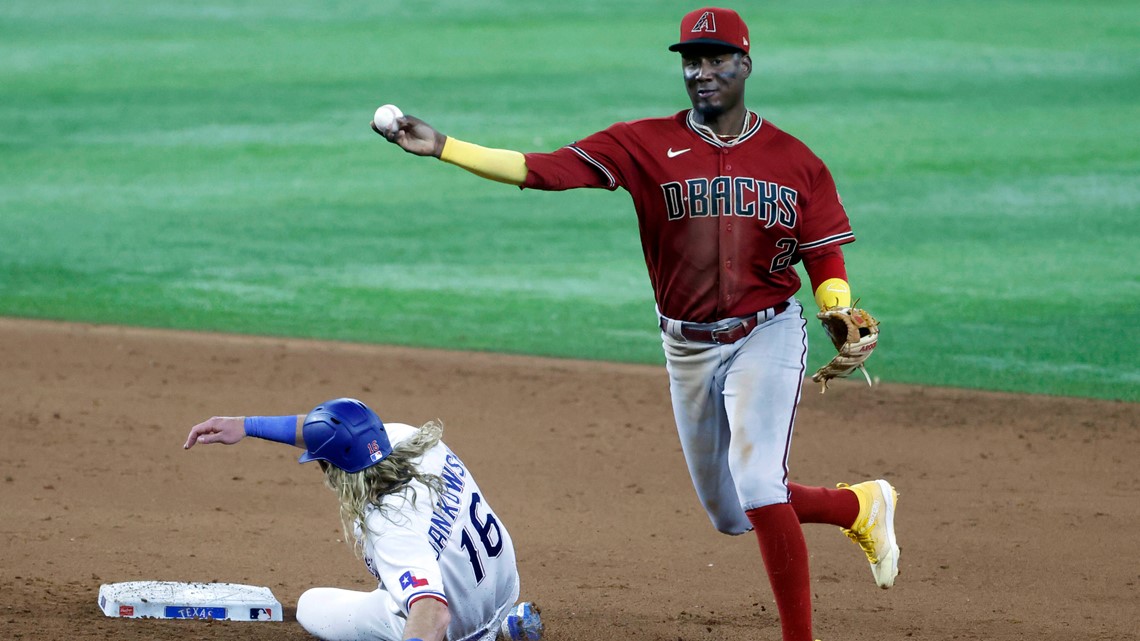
x=726 y=203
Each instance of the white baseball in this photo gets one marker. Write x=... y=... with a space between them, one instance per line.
x=385 y=118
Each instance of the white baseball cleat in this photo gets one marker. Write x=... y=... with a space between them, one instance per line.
x=874 y=529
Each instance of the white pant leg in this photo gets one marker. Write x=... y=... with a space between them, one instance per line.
x=695 y=385
x=734 y=406
x=761 y=392
x=334 y=614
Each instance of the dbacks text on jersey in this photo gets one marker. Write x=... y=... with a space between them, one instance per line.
x=770 y=203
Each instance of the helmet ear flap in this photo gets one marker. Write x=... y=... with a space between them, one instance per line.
x=346 y=433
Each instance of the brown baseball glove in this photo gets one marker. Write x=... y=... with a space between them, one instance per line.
x=855 y=333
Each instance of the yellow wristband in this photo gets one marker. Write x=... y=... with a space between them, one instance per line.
x=502 y=165
x=833 y=292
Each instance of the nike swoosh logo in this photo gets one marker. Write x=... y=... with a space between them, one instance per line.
x=674 y=154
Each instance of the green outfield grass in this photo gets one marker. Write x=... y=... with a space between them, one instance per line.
x=209 y=166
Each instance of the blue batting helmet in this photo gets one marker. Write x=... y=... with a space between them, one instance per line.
x=346 y=433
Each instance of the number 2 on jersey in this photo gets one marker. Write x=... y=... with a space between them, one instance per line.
x=489 y=535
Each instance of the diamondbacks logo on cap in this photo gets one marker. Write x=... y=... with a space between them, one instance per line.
x=707 y=23
x=713 y=27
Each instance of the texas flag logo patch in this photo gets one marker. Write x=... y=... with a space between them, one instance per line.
x=409 y=581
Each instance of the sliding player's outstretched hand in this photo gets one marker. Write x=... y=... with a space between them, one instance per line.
x=219 y=429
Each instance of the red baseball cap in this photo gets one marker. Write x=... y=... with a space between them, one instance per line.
x=713 y=26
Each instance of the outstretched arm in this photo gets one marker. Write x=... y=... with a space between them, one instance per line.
x=231 y=429
x=417 y=137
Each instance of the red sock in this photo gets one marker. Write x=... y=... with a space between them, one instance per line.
x=823 y=505
x=786 y=560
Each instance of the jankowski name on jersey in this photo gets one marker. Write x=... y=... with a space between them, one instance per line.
x=768 y=202
x=447 y=507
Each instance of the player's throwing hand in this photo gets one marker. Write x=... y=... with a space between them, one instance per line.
x=413 y=136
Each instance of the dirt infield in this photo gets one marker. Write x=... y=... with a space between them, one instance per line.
x=1018 y=515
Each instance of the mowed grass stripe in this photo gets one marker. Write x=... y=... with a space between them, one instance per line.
x=209 y=167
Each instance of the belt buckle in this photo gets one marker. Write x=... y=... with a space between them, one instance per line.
x=726 y=331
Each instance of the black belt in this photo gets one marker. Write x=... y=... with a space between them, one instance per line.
x=723 y=332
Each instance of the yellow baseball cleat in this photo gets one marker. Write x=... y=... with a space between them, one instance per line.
x=874 y=529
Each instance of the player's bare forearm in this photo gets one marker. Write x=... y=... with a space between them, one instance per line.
x=218 y=429
x=428 y=620
x=231 y=429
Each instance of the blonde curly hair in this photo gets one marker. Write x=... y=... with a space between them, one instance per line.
x=356 y=491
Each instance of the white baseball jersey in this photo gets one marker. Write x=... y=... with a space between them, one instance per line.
x=449 y=546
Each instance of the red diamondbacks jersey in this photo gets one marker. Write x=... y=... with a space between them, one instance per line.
x=721 y=222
